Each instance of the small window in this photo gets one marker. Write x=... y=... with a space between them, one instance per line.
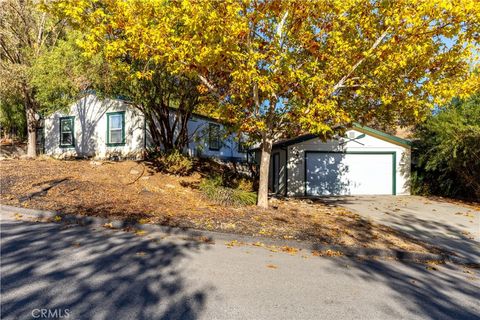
x=213 y=136
x=242 y=148
x=66 y=132
x=116 y=128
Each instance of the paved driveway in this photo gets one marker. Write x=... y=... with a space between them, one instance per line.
x=453 y=227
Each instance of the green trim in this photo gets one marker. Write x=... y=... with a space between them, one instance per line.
x=394 y=165
x=394 y=173
x=122 y=113
x=72 y=121
x=216 y=125
x=241 y=145
x=382 y=135
x=364 y=129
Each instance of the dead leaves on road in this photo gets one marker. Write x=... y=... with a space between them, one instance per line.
x=271 y=248
x=326 y=253
x=285 y=249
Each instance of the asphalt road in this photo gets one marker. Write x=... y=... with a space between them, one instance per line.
x=74 y=272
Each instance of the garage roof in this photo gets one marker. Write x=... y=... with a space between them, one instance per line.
x=364 y=129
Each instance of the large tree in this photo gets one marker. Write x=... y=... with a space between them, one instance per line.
x=167 y=100
x=25 y=34
x=285 y=67
x=61 y=74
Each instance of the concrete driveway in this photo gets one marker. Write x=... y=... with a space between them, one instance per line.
x=453 y=227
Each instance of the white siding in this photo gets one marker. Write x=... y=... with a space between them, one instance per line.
x=296 y=158
x=198 y=129
x=91 y=133
x=90 y=128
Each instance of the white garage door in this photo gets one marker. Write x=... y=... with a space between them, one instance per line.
x=349 y=173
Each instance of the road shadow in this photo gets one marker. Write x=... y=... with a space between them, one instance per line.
x=95 y=274
x=425 y=290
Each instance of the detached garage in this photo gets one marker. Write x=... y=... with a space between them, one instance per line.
x=363 y=162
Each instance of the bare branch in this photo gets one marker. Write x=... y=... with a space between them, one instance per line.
x=341 y=83
x=41 y=28
x=280 y=26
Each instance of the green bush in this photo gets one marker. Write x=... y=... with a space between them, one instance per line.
x=175 y=163
x=446 y=153
x=213 y=188
x=12 y=118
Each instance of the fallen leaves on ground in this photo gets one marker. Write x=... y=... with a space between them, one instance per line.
x=108 y=225
x=105 y=189
x=234 y=243
x=289 y=250
x=207 y=240
x=326 y=253
x=140 y=232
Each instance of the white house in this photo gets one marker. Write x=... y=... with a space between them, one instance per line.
x=363 y=162
x=112 y=128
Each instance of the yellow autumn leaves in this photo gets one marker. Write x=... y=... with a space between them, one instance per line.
x=296 y=65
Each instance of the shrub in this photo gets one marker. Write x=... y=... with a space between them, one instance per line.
x=245 y=184
x=175 y=163
x=213 y=188
x=446 y=154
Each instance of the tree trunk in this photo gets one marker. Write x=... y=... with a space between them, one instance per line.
x=31 y=132
x=264 y=171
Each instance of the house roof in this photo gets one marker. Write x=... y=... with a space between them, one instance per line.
x=364 y=129
x=129 y=101
x=382 y=135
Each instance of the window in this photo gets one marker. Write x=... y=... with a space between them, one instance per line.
x=213 y=136
x=116 y=129
x=66 y=132
x=242 y=148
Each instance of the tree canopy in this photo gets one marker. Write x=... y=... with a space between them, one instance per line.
x=25 y=34
x=284 y=67
x=447 y=151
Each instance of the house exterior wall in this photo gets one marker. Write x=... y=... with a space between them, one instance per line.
x=198 y=132
x=363 y=143
x=198 y=129
x=90 y=127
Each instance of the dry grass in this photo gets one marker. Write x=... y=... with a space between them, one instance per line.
x=132 y=190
